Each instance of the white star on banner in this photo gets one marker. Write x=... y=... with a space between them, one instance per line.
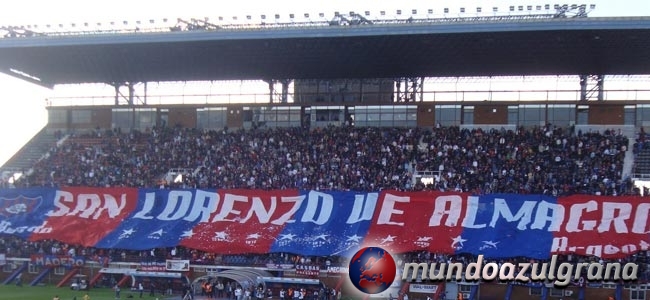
x=388 y=239
x=456 y=241
x=126 y=233
x=253 y=236
x=355 y=238
x=289 y=237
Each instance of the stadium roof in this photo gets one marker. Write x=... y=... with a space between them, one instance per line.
x=589 y=46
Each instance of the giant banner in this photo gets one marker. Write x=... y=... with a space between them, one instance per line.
x=329 y=223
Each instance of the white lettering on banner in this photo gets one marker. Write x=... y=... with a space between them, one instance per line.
x=181 y=204
x=641 y=219
x=561 y=244
x=542 y=218
x=87 y=205
x=5 y=227
x=201 y=205
x=440 y=210
x=524 y=214
x=576 y=215
x=204 y=206
x=178 y=204
x=472 y=211
x=149 y=202
x=609 y=216
x=227 y=208
x=286 y=218
x=388 y=209
x=257 y=208
x=364 y=208
x=205 y=203
x=315 y=198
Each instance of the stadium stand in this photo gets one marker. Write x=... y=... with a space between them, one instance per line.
x=546 y=160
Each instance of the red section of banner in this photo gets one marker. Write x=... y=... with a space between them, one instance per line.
x=400 y=225
x=257 y=235
x=86 y=215
x=606 y=227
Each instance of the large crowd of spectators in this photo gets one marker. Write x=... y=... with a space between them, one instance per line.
x=544 y=160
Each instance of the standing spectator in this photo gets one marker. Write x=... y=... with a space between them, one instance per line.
x=152 y=287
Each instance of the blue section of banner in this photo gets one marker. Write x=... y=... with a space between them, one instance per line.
x=511 y=235
x=158 y=221
x=23 y=211
x=335 y=236
x=544 y=293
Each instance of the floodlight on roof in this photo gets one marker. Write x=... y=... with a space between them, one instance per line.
x=414 y=11
x=592 y=6
x=574 y=6
x=291 y=16
x=556 y=6
x=234 y=18
x=495 y=9
x=277 y=16
x=430 y=11
x=478 y=9
x=220 y=18
x=321 y=15
x=539 y=7
x=462 y=9
x=367 y=13
x=529 y=7
x=446 y=10
x=248 y=17
x=263 y=17
x=520 y=8
x=512 y=8
x=547 y=7
x=383 y=13
x=306 y=15
x=399 y=12
x=152 y=21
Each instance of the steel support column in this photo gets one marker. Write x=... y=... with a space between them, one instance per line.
x=592 y=87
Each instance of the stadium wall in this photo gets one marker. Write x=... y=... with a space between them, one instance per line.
x=606 y=114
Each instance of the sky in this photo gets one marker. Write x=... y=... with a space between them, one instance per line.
x=22 y=111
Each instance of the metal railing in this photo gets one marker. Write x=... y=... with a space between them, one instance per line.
x=320 y=22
